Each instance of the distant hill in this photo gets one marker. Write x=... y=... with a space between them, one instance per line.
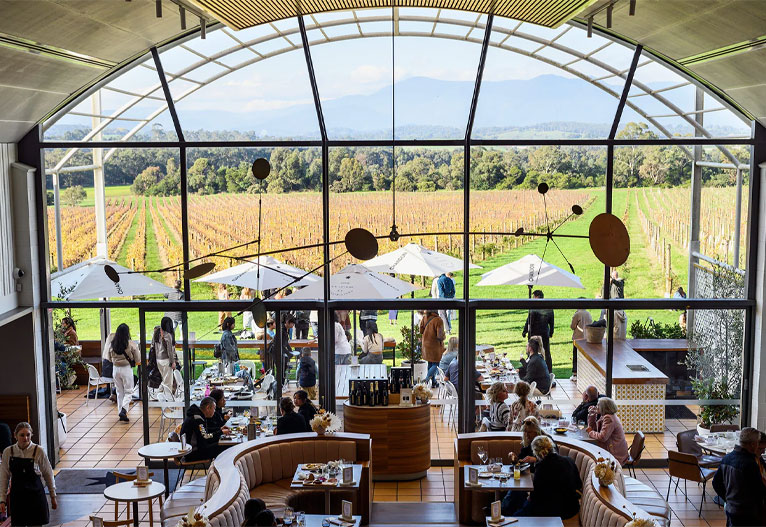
x=548 y=106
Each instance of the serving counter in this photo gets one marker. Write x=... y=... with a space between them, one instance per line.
x=401 y=438
x=633 y=378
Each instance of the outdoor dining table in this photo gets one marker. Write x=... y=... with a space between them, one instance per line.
x=131 y=493
x=164 y=451
x=493 y=484
x=297 y=483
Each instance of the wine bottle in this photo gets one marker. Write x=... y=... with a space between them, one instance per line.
x=373 y=393
x=352 y=393
x=385 y=394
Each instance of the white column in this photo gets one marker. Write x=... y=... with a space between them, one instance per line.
x=57 y=219
x=758 y=413
x=98 y=179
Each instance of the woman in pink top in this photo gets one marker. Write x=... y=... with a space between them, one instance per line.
x=607 y=429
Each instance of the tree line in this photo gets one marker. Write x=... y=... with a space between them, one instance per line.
x=155 y=171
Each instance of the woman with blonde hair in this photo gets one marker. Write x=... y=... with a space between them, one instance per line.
x=449 y=354
x=605 y=427
x=499 y=413
x=530 y=430
x=522 y=407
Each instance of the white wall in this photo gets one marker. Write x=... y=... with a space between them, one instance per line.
x=8 y=296
x=758 y=419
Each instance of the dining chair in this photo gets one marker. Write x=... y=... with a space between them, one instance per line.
x=634 y=453
x=687 y=467
x=110 y=523
x=685 y=443
x=724 y=428
x=95 y=380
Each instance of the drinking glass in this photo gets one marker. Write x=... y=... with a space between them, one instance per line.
x=289 y=514
x=300 y=518
x=482 y=453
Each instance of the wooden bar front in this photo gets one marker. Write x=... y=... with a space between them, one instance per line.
x=401 y=438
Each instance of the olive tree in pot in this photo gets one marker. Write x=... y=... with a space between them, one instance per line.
x=409 y=347
x=716 y=344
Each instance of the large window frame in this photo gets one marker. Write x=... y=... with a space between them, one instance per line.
x=32 y=147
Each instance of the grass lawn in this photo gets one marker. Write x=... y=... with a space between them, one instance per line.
x=500 y=328
x=112 y=191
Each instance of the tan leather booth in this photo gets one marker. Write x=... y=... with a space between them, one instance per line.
x=264 y=468
x=602 y=506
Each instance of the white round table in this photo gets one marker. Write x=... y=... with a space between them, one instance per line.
x=131 y=493
x=163 y=451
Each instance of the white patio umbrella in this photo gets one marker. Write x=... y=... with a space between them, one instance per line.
x=531 y=271
x=90 y=281
x=273 y=274
x=414 y=259
x=356 y=282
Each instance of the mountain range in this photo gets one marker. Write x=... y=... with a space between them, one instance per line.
x=545 y=106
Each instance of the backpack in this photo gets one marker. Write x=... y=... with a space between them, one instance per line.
x=448 y=285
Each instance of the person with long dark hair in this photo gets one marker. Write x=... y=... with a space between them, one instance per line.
x=372 y=345
x=124 y=356
x=69 y=331
x=153 y=369
x=166 y=355
x=228 y=345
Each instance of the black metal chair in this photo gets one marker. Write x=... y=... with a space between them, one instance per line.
x=685 y=443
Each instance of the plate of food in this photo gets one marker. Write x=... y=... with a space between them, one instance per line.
x=313 y=466
x=485 y=474
x=561 y=430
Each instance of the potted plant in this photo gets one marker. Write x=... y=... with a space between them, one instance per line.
x=409 y=347
x=716 y=344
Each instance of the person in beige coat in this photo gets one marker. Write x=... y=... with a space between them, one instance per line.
x=432 y=342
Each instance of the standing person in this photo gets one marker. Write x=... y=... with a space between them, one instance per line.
x=739 y=482
x=372 y=345
x=23 y=465
x=305 y=408
x=167 y=360
x=284 y=354
x=223 y=294
x=432 y=342
x=393 y=315
x=680 y=293
x=307 y=373
x=153 y=369
x=70 y=331
x=314 y=320
x=123 y=354
x=302 y=324
x=446 y=287
x=228 y=344
x=365 y=317
x=343 y=318
x=580 y=319
x=342 y=346
x=290 y=422
x=176 y=316
x=616 y=285
x=248 y=322
x=540 y=324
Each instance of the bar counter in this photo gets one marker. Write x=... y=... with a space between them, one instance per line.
x=401 y=438
x=633 y=377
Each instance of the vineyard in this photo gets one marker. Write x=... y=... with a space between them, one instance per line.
x=290 y=220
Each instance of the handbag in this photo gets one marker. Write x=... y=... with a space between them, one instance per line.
x=217 y=350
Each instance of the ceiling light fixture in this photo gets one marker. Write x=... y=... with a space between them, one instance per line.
x=632 y=8
x=202 y=28
x=609 y=10
x=590 y=26
x=182 y=12
x=158 y=8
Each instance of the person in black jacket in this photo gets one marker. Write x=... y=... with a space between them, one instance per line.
x=287 y=325
x=738 y=481
x=290 y=422
x=540 y=324
x=590 y=398
x=195 y=427
x=556 y=484
x=217 y=422
x=534 y=369
x=305 y=408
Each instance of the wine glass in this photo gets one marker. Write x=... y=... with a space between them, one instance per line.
x=482 y=453
x=300 y=519
x=289 y=513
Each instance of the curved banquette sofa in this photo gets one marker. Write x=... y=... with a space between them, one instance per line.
x=264 y=468
x=611 y=506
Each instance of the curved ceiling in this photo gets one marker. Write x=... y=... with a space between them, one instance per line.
x=53 y=50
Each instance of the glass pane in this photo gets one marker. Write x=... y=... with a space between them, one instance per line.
x=657 y=207
x=223 y=212
x=505 y=198
x=246 y=86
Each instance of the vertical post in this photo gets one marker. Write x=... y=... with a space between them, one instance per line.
x=696 y=200
x=57 y=219
x=738 y=218
x=98 y=179
x=144 y=372
x=187 y=283
x=278 y=358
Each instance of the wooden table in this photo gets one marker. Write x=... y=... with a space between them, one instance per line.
x=164 y=451
x=633 y=377
x=401 y=438
x=131 y=493
x=495 y=485
x=528 y=521
x=364 y=371
x=315 y=520
x=297 y=484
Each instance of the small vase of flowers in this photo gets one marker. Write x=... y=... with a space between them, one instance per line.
x=605 y=471
x=640 y=522
x=324 y=422
x=193 y=519
x=421 y=392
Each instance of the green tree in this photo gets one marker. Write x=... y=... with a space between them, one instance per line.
x=146 y=180
x=547 y=159
x=628 y=159
x=351 y=176
x=72 y=196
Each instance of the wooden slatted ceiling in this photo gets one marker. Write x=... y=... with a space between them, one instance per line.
x=241 y=14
